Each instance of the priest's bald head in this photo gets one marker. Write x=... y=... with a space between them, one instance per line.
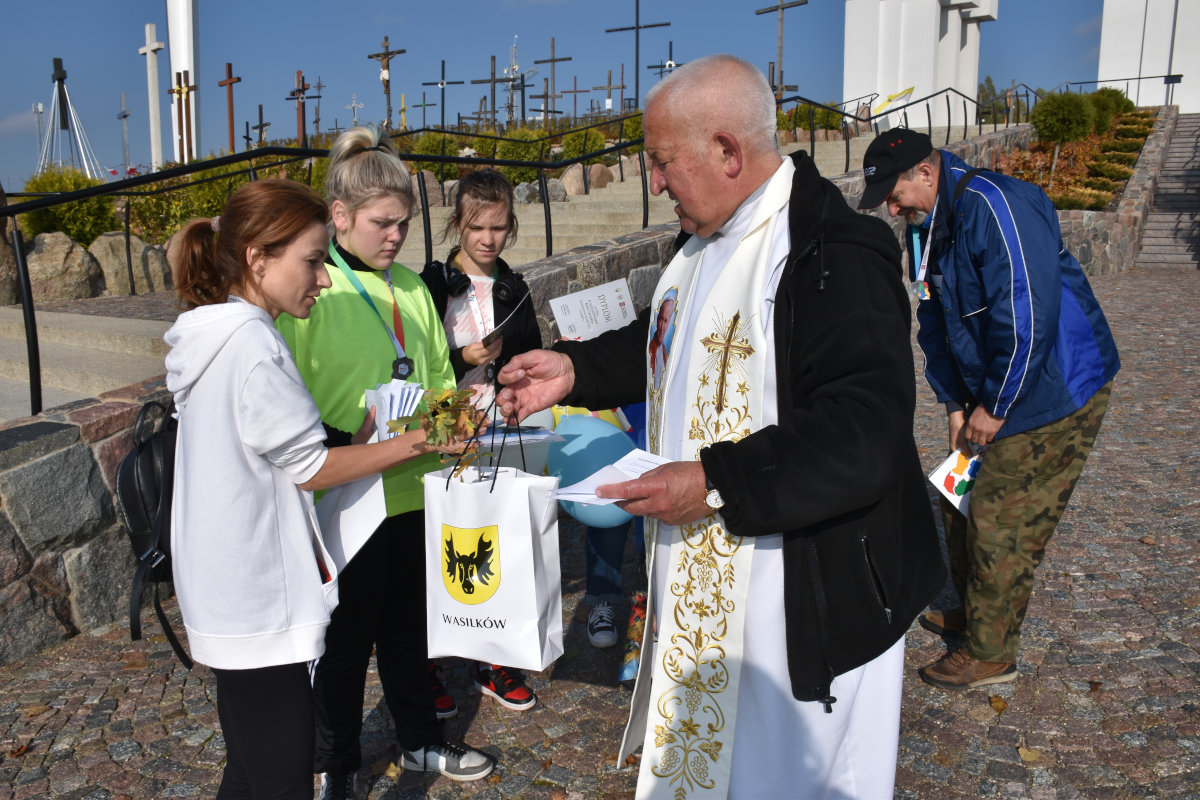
x=710 y=137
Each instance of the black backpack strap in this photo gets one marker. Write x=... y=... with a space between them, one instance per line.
x=170 y=632
x=135 y=598
x=961 y=186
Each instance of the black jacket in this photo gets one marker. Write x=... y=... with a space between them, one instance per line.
x=839 y=474
x=521 y=334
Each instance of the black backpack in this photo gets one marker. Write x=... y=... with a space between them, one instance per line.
x=145 y=480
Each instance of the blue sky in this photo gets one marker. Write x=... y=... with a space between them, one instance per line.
x=1039 y=42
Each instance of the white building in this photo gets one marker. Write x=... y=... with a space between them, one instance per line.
x=1150 y=37
x=929 y=45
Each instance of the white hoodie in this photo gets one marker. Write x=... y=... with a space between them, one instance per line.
x=244 y=538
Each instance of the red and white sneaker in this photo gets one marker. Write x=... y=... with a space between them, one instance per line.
x=506 y=685
x=443 y=703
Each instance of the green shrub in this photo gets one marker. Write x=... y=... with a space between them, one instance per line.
x=1061 y=118
x=522 y=145
x=631 y=128
x=1087 y=199
x=82 y=220
x=1101 y=184
x=485 y=146
x=581 y=142
x=432 y=144
x=1122 y=146
x=1114 y=172
x=824 y=118
x=1128 y=159
x=1107 y=103
x=1131 y=132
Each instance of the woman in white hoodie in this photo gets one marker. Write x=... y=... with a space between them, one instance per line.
x=255 y=583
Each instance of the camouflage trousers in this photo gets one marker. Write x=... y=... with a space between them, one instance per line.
x=1023 y=485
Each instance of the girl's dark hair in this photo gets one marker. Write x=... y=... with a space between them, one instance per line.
x=475 y=191
x=208 y=256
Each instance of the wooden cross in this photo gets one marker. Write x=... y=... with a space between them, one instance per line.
x=668 y=66
x=552 y=95
x=423 y=105
x=575 y=99
x=336 y=130
x=354 y=107
x=183 y=90
x=261 y=127
x=297 y=94
x=249 y=141
x=727 y=346
x=384 y=58
x=228 y=84
x=608 y=88
x=317 y=115
x=493 y=81
x=779 y=88
x=544 y=96
x=637 y=28
x=779 y=7
x=442 y=84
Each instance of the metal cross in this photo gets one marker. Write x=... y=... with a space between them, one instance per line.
x=354 y=107
x=385 y=74
x=544 y=96
x=493 y=81
x=228 y=84
x=249 y=141
x=442 y=84
x=668 y=66
x=727 y=346
x=317 y=115
x=608 y=88
x=779 y=7
x=423 y=105
x=297 y=94
x=637 y=28
x=553 y=93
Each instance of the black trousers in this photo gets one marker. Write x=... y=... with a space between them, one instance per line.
x=266 y=718
x=382 y=605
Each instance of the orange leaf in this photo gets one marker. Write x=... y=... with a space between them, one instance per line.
x=998 y=703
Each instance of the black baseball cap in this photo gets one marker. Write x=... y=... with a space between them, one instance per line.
x=891 y=153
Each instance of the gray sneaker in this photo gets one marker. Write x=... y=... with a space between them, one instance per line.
x=455 y=762
x=339 y=787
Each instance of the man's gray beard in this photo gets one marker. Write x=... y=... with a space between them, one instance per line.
x=918 y=217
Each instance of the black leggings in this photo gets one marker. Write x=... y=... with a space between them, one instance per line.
x=267 y=720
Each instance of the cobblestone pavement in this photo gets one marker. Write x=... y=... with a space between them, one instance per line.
x=1107 y=704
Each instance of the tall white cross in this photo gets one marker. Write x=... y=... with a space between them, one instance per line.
x=150 y=51
x=354 y=107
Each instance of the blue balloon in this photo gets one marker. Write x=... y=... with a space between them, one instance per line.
x=590 y=444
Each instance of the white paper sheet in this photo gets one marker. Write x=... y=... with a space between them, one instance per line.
x=349 y=514
x=586 y=314
x=632 y=465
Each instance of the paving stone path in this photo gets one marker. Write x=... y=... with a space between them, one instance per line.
x=1107 y=704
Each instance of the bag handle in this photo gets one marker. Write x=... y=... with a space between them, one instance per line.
x=495 y=457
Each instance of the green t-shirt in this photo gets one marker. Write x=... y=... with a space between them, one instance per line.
x=342 y=350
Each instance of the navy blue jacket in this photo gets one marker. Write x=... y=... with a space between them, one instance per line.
x=1013 y=326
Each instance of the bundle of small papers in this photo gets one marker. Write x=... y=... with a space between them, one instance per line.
x=392 y=401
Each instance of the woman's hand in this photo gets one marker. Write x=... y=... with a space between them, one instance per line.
x=476 y=354
x=367 y=429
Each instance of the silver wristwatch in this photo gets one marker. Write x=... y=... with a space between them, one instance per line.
x=713 y=499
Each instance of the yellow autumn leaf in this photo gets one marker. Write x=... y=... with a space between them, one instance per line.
x=998 y=703
x=1028 y=754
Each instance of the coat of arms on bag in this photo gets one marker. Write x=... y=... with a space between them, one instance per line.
x=471 y=562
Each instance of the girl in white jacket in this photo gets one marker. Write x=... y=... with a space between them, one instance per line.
x=255 y=583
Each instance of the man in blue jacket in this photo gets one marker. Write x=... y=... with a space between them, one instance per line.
x=1017 y=349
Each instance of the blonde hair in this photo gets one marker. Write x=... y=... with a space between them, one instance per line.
x=363 y=167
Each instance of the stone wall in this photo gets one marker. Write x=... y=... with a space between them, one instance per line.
x=65 y=562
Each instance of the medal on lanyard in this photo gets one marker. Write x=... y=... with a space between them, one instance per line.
x=920 y=286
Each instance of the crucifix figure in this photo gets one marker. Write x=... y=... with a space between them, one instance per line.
x=553 y=93
x=150 y=51
x=384 y=57
x=261 y=127
x=608 y=89
x=297 y=94
x=725 y=347
x=317 y=115
x=442 y=84
x=575 y=92
x=637 y=28
x=779 y=7
x=228 y=84
x=354 y=107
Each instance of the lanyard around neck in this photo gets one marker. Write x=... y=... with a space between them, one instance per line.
x=398 y=343
x=918 y=254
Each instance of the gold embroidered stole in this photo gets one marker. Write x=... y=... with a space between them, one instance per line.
x=684 y=708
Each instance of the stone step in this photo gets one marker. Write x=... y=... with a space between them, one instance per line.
x=1191 y=250
x=85 y=370
x=1167 y=258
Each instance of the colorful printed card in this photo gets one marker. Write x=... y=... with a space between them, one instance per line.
x=955 y=477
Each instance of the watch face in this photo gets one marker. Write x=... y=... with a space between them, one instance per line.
x=714 y=500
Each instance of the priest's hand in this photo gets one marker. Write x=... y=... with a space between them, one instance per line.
x=533 y=381
x=673 y=493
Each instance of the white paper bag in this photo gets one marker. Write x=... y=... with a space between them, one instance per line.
x=492 y=580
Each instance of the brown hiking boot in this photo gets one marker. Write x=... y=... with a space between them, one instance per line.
x=958 y=670
x=951 y=621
